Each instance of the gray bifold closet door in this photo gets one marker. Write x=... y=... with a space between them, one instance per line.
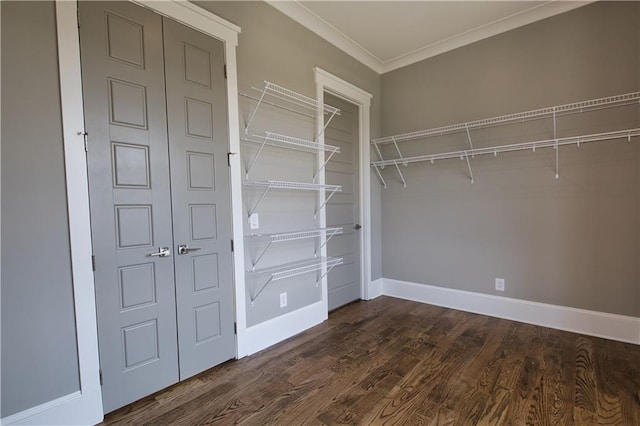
x=155 y=111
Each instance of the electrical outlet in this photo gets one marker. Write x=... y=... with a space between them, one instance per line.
x=254 y=221
x=500 y=284
x=283 y=300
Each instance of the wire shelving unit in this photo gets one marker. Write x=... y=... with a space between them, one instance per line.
x=294 y=269
x=282 y=237
x=289 y=142
x=279 y=184
x=552 y=112
x=275 y=92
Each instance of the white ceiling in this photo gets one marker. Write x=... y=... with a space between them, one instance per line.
x=386 y=35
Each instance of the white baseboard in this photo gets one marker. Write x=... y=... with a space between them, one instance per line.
x=599 y=324
x=276 y=330
x=41 y=414
x=375 y=289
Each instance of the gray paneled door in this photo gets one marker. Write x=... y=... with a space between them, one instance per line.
x=155 y=110
x=343 y=209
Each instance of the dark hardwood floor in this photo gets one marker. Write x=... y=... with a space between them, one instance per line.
x=390 y=361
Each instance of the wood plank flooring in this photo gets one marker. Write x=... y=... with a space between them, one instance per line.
x=391 y=361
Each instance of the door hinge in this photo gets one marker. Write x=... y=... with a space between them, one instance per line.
x=235 y=328
x=232 y=247
x=84 y=134
x=225 y=70
x=93 y=263
x=100 y=374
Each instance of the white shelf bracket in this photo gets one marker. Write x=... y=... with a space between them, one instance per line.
x=326 y=124
x=557 y=162
x=375 y=145
x=324 y=203
x=466 y=126
x=264 y=193
x=326 y=241
x=329 y=269
x=404 y=182
x=255 y=158
x=331 y=154
x=254 y=297
x=404 y=163
x=380 y=178
x=466 y=156
x=255 y=262
x=246 y=127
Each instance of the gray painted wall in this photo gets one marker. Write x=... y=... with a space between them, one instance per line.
x=273 y=47
x=572 y=241
x=39 y=353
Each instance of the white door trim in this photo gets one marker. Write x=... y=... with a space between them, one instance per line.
x=327 y=82
x=85 y=406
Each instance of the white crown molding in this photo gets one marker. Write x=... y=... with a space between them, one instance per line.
x=520 y=19
x=296 y=11
x=314 y=23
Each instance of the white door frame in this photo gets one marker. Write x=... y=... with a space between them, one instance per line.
x=327 y=82
x=85 y=405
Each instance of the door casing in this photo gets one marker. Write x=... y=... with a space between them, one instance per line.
x=327 y=82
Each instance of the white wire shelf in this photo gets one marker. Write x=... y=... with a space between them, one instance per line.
x=281 y=237
x=279 y=184
x=576 y=107
x=495 y=150
x=282 y=93
x=289 y=142
x=293 y=269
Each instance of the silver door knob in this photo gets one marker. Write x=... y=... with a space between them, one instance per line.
x=162 y=252
x=184 y=249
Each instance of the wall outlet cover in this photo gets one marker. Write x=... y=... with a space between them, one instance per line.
x=254 y=221
x=500 y=284
x=283 y=300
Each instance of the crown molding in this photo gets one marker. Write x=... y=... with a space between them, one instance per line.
x=296 y=11
x=520 y=19
x=311 y=21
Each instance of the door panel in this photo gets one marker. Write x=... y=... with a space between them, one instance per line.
x=343 y=208
x=198 y=134
x=123 y=84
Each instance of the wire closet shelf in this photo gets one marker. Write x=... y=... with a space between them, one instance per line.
x=293 y=269
x=279 y=184
x=549 y=112
x=282 y=237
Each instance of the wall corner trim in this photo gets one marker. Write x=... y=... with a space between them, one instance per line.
x=592 y=323
x=268 y=333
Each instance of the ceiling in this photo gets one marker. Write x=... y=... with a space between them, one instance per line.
x=386 y=35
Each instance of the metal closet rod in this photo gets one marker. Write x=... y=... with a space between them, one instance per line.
x=495 y=150
x=559 y=110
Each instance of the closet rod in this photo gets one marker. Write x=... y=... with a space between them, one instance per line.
x=495 y=150
x=559 y=110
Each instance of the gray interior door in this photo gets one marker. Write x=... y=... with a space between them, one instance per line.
x=123 y=83
x=155 y=108
x=343 y=208
x=198 y=135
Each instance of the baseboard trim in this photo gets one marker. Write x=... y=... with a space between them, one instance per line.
x=375 y=289
x=276 y=330
x=592 y=323
x=33 y=411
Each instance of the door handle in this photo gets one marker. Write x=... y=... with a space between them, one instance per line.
x=184 y=249
x=357 y=226
x=162 y=252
